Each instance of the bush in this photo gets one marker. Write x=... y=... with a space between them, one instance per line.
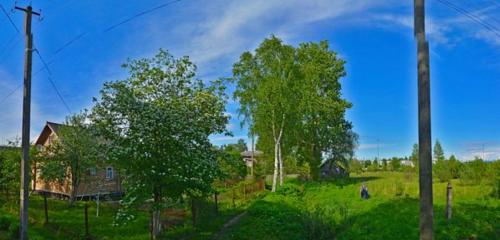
x=4 y=223
x=290 y=189
x=442 y=170
x=14 y=230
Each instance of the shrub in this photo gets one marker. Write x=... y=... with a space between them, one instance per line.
x=290 y=189
x=14 y=230
x=4 y=223
x=399 y=188
x=442 y=170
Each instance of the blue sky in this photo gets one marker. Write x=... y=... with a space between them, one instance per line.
x=374 y=37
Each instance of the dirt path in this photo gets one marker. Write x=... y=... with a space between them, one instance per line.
x=230 y=223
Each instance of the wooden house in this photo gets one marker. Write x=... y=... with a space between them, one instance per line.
x=330 y=168
x=99 y=180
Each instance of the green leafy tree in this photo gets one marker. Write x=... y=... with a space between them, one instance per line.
x=230 y=160
x=367 y=163
x=395 y=164
x=322 y=130
x=473 y=172
x=10 y=158
x=293 y=98
x=155 y=126
x=71 y=155
x=454 y=166
x=438 y=152
x=266 y=87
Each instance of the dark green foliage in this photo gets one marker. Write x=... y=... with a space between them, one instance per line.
x=395 y=164
x=230 y=160
x=289 y=189
x=472 y=173
x=355 y=166
x=438 y=152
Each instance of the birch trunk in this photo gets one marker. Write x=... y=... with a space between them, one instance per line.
x=275 y=176
x=280 y=159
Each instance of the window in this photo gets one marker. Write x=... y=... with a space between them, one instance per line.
x=109 y=173
x=92 y=171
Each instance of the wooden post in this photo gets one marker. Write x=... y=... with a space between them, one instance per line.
x=25 y=140
x=45 y=208
x=97 y=210
x=448 y=200
x=193 y=211
x=234 y=205
x=87 y=221
x=244 y=192
x=216 y=204
x=424 y=124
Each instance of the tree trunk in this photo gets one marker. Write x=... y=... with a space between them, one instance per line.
x=275 y=175
x=155 y=218
x=280 y=159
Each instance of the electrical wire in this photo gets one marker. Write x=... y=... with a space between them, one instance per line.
x=471 y=16
x=140 y=14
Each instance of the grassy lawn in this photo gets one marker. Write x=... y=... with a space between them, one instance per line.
x=67 y=223
x=334 y=209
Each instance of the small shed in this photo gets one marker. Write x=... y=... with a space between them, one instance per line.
x=331 y=168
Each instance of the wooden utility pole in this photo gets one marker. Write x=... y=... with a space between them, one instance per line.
x=424 y=124
x=25 y=142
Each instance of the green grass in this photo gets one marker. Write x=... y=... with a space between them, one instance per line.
x=330 y=210
x=67 y=223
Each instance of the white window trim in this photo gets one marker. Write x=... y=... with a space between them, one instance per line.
x=112 y=173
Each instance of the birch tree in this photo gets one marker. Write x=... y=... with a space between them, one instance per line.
x=156 y=125
x=266 y=82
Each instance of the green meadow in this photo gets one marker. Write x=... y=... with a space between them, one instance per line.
x=334 y=210
x=298 y=210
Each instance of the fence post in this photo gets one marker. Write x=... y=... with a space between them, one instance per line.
x=232 y=195
x=216 y=203
x=244 y=192
x=193 y=210
x=45 y=208
x=448 y=200
x=87 y=221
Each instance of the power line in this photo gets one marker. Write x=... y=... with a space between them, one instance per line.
x=59 y=94
x=46 y=67
x=52 y=81
x=69 y=43
x=471 y=16
x=10 y=19
x=140 y=14
x=10 y=94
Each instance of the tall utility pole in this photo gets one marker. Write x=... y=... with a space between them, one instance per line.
x=25 y=142
x=424 y=124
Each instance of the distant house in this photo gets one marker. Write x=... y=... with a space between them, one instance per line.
x=250 y=158
x=331 y=168
x=407 y=163
x=100 y=180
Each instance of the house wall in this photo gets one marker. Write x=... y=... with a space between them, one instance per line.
x=99 y=184
x=89 y=185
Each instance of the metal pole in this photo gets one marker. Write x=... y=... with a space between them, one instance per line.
x=424 y=125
